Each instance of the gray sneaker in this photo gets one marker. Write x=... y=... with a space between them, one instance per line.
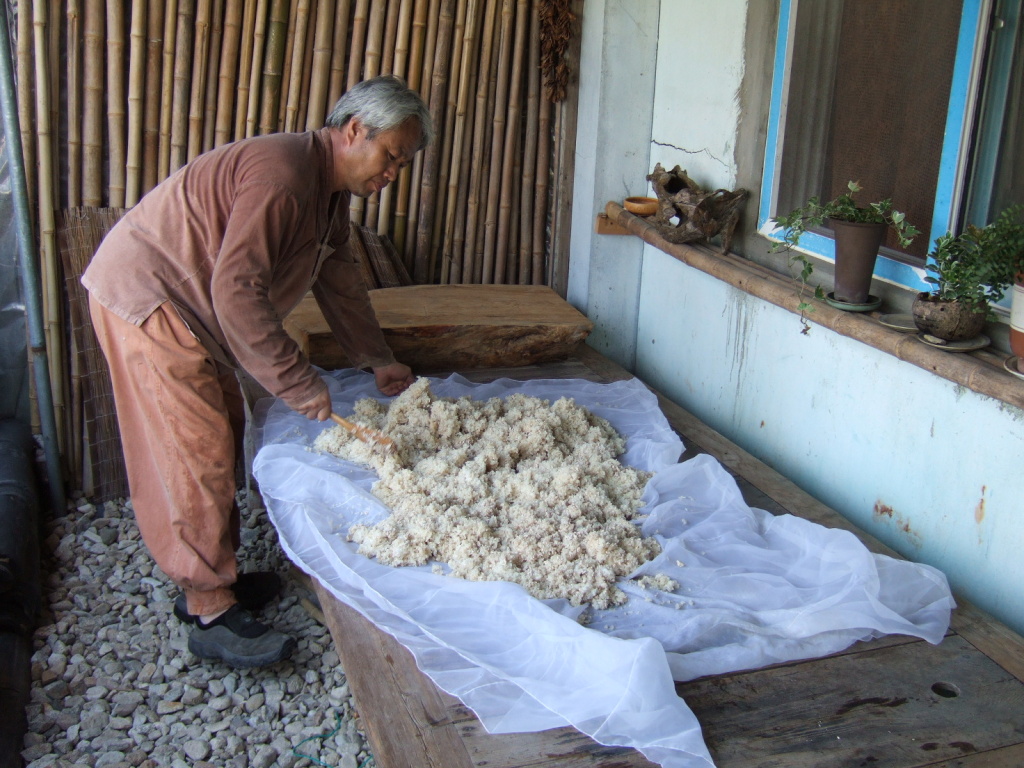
x=237 y=639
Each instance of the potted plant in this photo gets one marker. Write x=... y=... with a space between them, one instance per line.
x=1011 y=236
x=969 y=271
x=859 y=230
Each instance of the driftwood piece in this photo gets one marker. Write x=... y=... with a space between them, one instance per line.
x=687 y=213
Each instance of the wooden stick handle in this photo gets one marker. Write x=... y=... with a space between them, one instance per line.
x=365 y=434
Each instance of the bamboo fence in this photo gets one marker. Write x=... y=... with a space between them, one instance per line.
x=115 y=96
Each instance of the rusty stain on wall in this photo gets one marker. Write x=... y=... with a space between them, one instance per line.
x=979 y=511
x=883 y=510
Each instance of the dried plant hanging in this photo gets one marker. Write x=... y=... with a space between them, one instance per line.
x=557 y=27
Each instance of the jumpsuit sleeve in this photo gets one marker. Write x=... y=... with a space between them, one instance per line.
x=258 y=232
x=341 y=293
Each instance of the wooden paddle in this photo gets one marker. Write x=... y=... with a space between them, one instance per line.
x=365 y=434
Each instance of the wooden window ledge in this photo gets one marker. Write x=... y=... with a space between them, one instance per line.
x=981 y=371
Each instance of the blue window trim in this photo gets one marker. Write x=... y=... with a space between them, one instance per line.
x=950 y=163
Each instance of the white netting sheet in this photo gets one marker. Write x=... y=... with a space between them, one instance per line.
x=754 y=589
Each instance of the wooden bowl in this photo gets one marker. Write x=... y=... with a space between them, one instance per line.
x=641 y=206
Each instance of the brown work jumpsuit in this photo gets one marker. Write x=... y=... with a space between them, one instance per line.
x=193 y=283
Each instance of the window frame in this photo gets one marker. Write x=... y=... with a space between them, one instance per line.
x=952 y=178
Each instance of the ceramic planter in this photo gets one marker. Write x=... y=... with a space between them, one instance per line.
x=947 y=320
x=1017 y=321
x=857 y=247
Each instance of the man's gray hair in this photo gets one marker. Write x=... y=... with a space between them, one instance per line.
x=381 y=104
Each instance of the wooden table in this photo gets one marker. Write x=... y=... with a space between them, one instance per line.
x=897 y=702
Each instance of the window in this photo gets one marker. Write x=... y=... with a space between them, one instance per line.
x=914 y=99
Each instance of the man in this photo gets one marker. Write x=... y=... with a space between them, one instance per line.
x=194 y=283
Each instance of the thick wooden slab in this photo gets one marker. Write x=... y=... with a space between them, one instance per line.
x=897 y=702
x=434 y=327
x=894 y=707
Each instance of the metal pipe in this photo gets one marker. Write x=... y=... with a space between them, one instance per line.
x=27 y=260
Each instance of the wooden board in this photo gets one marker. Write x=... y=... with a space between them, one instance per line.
x=455 y=326
x=897 y=702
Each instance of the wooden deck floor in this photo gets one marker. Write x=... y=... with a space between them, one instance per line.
x=897 y=702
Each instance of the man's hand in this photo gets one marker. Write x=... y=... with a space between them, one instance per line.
x=393 y=379
x=318 y=407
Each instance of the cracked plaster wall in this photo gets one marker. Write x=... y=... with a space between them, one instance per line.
x=928 y=467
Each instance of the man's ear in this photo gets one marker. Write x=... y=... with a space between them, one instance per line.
x=354 y=127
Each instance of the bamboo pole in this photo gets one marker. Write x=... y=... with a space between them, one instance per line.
x=402 y=41
x=497 y=144
x=231 y=73
x=74 y=102
x=136 y=106
x=210 y=92
x=540 y=195
x=200 y=55
x=466 y=245
x=92 y=115
x=55 y=17
x=360 y=25
x=154 y=77
x=475 y=261
x=341 y=23
x=374 y=42
x=360 y=21
x=247 y=36
x=424 y=80
x=286 y=74
x=418 y=43
x=389 y=42
x=365 y=210
x=256 y=71
x=399 y=63
x=320 y=77
x=298 y=46
x=49 y=268
x=27 y=100
x=454 y=84
x=456 y=258
x=116 y=152
x=273 y=62
x=307 y=74
x=432 y=157
x=429 y=48
x=510 y=274
x=530 y=150
x=511 y=135
x=184 y=38
x=413 y=64
x=167 y=89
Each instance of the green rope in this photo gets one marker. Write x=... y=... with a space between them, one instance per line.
x=366 y=762
x=322 y=737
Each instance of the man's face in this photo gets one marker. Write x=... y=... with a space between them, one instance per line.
x=369 y=165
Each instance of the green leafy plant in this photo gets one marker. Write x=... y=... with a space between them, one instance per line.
x=814 y=213
x=977 y=266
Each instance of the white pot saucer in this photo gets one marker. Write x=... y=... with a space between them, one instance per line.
x=904 y=323
x=978 y=342
x=1010 y=364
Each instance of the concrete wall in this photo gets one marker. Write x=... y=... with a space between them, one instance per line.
x=928 y=467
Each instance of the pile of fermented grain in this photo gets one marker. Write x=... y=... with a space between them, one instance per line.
x=517 y=489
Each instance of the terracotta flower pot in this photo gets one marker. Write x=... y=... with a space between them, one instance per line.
x=1017 y=322
x=947 y=320
x=857 y=247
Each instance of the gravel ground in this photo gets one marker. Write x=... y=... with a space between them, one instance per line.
x=114 y=684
